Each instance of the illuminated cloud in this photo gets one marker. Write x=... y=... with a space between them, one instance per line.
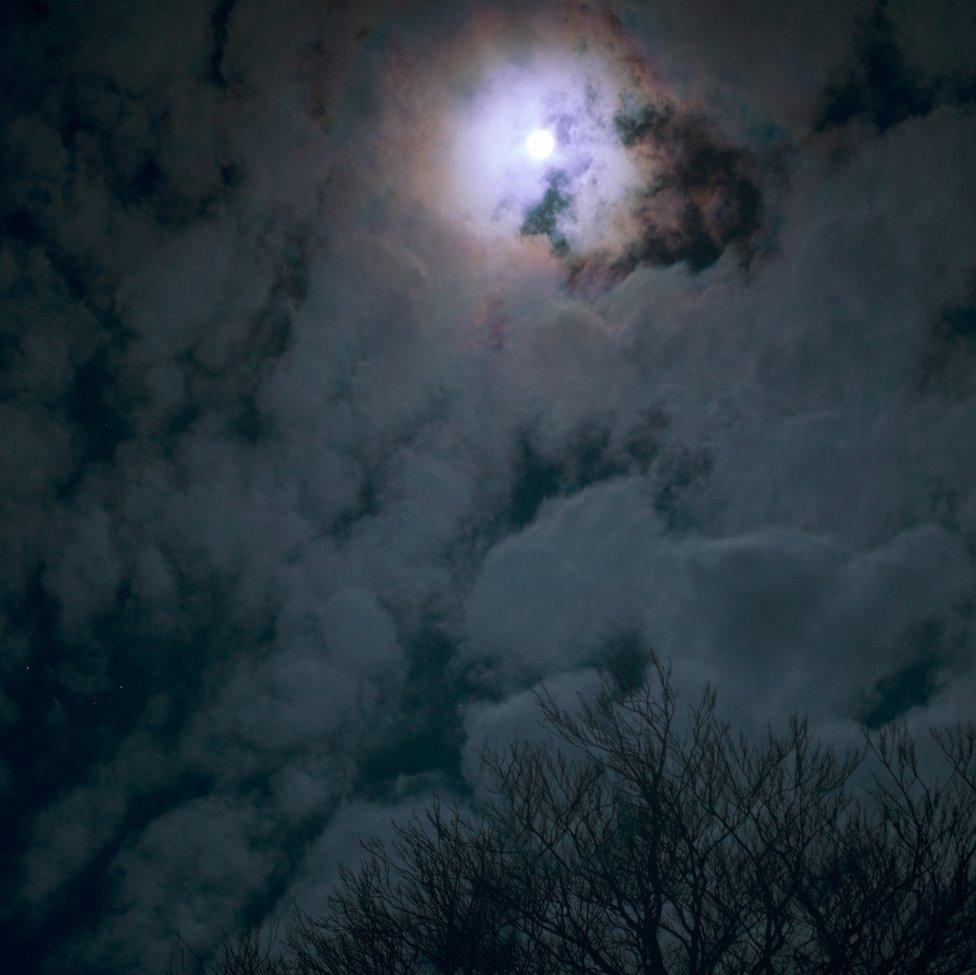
x=333 y=421
x=635 y=174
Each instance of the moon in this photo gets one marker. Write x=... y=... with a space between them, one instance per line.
x=540 y=143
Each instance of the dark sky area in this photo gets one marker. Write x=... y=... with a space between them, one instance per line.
x=331 y=422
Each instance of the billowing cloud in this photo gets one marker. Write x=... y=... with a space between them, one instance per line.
x=334 y=423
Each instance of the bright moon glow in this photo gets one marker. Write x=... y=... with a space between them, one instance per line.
x=540 y=143
x=500 y=152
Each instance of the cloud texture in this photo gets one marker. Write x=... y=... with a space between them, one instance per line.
x=318 y=453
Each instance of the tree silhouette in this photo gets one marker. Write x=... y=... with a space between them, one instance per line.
x=644 y=839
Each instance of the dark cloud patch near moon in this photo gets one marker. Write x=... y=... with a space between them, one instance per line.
x=704 y=196
x=707 y=192
x=543 y=219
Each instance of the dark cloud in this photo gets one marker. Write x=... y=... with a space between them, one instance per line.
x=883 y=87
x=427 y=734
x=542 y=219
x=679 y=472
x=591 y=453
x=911 y=685
x=705 y=185
x=702 y=198
x=949 y=355
x=219 y=18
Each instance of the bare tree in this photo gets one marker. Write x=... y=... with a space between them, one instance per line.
x=653 y=841
x=252 y=952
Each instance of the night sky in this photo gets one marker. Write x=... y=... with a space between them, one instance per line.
x=332 y=422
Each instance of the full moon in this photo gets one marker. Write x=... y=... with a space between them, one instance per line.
x=540 y=143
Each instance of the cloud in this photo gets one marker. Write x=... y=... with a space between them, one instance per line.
x=189 y=872
x=777 y=620
x=313 y=468
x=495 y=727
x=883 y=86
x=735 y=57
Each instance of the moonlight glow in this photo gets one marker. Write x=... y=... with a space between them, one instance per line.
x=500 y=161
x=540 y=144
